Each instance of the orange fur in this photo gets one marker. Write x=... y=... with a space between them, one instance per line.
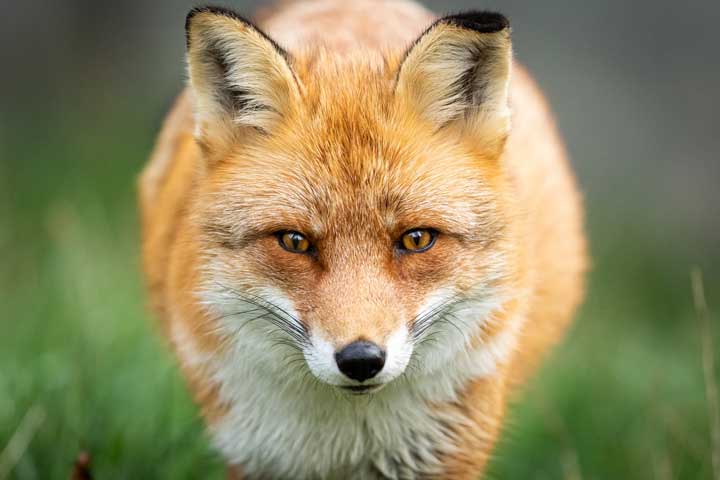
x=363 y=167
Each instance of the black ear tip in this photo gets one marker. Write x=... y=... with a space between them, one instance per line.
x=222 y=11
x=225 y=12
x=483 y=22
x=191 y=14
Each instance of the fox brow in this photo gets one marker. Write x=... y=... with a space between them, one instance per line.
x=478 y=223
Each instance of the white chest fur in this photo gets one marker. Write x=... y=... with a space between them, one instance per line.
x=286 y=424
x=282 y=422
x=312 y=431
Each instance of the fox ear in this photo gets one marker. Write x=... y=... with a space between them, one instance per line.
x=240 y=78
x=458 y=72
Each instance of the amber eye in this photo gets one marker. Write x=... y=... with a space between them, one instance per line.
x=418 y=240
x=294 y=242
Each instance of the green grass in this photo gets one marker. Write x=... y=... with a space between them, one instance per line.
x=623 y=397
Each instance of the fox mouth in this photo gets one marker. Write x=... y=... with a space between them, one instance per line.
x=362 y=389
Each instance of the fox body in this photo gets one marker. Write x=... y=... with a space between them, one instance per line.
x=360 y=232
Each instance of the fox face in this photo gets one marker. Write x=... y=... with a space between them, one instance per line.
x=352 y=213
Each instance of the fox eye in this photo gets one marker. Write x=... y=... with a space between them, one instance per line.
x=294 y=242
x=418 y=240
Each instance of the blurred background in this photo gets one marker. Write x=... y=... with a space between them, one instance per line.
x=84 y=87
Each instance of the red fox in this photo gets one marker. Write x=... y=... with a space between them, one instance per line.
x=360 y=233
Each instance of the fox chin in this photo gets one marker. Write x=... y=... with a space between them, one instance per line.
x=361 y=233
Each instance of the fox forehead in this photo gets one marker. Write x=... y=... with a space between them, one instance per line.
x=348 y=156
x=319 y=197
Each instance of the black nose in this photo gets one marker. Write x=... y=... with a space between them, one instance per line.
x=360 y=360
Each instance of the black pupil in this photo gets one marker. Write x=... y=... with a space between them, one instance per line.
x=416 y=237
x=295 y=239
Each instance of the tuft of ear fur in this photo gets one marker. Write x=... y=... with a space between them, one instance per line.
x=240 y=78
x=458 y=73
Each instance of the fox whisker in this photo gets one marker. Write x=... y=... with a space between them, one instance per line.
x=271 y=312
x=423 y=322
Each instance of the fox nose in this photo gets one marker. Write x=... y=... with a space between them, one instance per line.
x=360 y=360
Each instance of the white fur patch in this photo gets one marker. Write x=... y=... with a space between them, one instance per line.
x=320 y=357
x=284 y=423
x=399 y=350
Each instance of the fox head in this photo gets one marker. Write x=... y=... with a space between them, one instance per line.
x=353 y=210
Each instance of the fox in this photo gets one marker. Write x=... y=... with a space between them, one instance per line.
x=360 y=235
